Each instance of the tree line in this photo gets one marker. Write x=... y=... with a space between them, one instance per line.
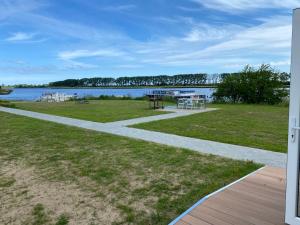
x=161 y=80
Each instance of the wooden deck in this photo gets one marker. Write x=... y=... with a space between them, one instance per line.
x=259 y=199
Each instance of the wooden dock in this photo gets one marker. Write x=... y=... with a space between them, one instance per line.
x=259 y=199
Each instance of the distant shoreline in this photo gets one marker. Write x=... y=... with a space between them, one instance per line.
x=5 y=91
x=129 y=87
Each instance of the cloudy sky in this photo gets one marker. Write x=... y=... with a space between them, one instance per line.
x=48 y=40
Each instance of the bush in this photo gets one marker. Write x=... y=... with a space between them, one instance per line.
x=107 y=97
x=126 y=97
x=7 y=104
x=253 y=86
x=4 y=91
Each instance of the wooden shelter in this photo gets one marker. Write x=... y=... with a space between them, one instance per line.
x=156 y=101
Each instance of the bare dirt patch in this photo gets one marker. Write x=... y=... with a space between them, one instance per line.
x=24 y=190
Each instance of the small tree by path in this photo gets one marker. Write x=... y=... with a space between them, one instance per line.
x=253 y=86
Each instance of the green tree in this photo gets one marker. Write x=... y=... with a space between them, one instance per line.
x=253 y=86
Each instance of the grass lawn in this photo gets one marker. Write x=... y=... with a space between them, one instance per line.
x=55 y=174
x=256 y=126
x=97 y=110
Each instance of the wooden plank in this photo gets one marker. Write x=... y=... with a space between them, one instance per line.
x=253 y=198
x=215 y=217
x=247 y=202
x=276 y=182
x=236 y=212
x=263 y=198
x=271 y=174
x=263 y=188
x=268 y=180
x=193 y=220
x=180 y=222
x=263 y=193
x=259 y=211
x=273 y=171
x=280 y=186
x=258 y=199
x=271 y=181
x=207 y=218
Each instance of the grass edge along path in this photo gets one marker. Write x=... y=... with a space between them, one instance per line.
x=96 y=110
x=257 y=126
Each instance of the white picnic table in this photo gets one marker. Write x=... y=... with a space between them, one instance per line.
x=191 y=103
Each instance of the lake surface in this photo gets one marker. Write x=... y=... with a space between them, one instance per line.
x=33 y=94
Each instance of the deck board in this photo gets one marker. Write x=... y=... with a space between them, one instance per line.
x=205 y=212
x=259 y=199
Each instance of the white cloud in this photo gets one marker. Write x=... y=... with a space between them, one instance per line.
x=271 y=37
x=207 y=33
x=71 y=64
x=235 y=6
x=20 y=36
x=194 y=35
x=189 y=9
x=62 y=28
x=28 y=14
x=268 y=42
x=129 y=66
x=76 y=54
x=17 y=12
x=281 y=63
x=119 y=8
x=9 y=8
x=26 y=69
x=195 y=44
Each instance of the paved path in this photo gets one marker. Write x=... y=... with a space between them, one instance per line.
x=203 y=146
x=176 y=113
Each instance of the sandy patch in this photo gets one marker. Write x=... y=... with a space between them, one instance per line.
x=19 y=197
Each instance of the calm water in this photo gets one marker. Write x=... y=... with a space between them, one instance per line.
x=33 y=94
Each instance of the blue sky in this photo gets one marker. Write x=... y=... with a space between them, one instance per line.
x=43 y=41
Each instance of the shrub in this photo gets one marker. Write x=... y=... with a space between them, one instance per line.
x=62 y=220
x=125 y=97
x=7 y=104
x=253 y=86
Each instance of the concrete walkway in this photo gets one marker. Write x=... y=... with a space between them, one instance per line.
x=175 y=113
x=203 y=146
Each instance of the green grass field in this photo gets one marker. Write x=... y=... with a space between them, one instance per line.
x=96 y=110
x=258 y=126
x=55 y=174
